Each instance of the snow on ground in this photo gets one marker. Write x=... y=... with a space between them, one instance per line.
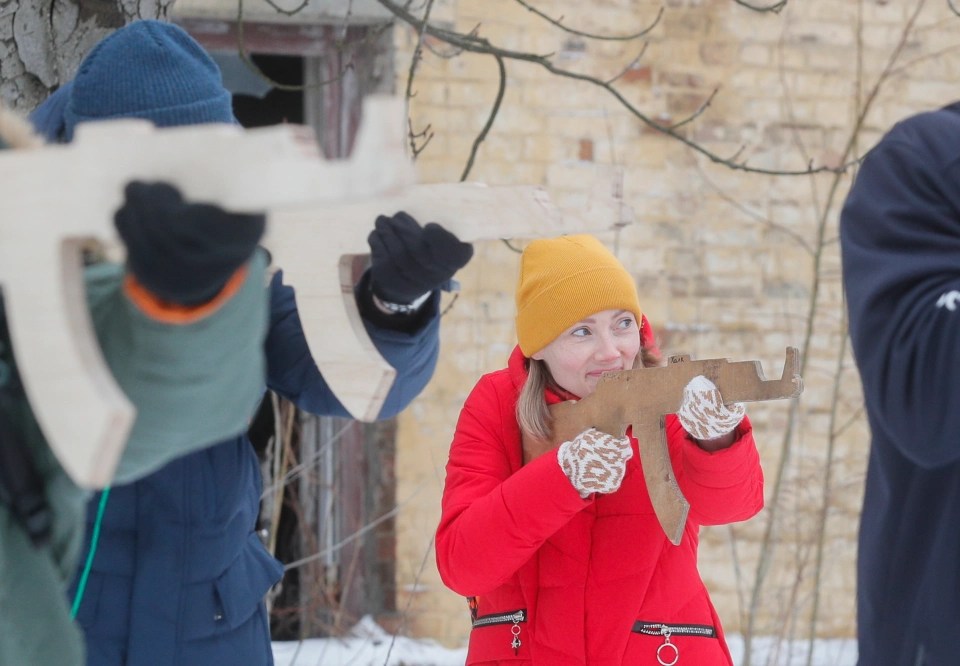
x=370 y=645
x=766 y=652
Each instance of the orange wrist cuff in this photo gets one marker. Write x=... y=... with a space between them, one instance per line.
x=174 y=313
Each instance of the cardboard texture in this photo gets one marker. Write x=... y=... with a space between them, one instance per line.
x=59 y=199
x=640 y=399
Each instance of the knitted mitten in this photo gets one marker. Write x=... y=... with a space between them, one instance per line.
x=702 y=412
x=594 y=461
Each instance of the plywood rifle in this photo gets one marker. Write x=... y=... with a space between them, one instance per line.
x=640 y=399
x=60 y=199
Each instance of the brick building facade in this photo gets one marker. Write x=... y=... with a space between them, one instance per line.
x=732 y=260
x=729 y=263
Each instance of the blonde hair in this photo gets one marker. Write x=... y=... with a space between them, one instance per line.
x=533 y=414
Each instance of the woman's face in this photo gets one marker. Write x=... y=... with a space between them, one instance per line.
x=604 y=342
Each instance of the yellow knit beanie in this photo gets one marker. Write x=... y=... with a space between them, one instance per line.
x=563 y=280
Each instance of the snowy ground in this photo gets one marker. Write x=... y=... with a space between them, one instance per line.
x=369 y=646
x=372 y=646
x=766 y=652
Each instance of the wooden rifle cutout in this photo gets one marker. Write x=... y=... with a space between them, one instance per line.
x=59 y=199
x=640 y=399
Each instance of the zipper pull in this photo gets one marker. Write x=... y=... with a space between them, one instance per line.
x=662 y=658
x=515 y=630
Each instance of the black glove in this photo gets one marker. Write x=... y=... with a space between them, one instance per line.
x=408 y=261
x=183 y=253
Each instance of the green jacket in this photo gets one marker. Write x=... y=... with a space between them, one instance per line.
x=190 y=383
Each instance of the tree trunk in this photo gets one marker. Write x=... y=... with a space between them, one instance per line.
x=43 y=41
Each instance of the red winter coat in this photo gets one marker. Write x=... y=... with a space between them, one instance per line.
x=581 y=581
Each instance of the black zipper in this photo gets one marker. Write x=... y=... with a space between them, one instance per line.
x=513 y=617
x=661 y=628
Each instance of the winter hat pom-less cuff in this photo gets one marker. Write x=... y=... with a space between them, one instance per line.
x=563 y=280
x=152 y=70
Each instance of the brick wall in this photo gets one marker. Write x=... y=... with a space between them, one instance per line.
x=729 y=263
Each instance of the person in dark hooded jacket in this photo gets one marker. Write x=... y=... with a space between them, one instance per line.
x=900 y=246
x=178 y=575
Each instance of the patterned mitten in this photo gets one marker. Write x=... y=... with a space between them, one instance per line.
x=702 y=412
x=594 y=461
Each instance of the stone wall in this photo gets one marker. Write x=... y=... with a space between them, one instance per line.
x=729 y=263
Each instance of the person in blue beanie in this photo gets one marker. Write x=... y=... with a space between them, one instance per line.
x=178 y=574
x=900 y=247
x=211 y=354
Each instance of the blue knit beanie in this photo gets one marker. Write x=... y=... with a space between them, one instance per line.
x=152 y=70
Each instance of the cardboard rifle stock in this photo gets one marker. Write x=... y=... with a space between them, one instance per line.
x=642 y=397
x=60 y=198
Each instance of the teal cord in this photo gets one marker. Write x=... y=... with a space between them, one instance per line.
x=94 y=537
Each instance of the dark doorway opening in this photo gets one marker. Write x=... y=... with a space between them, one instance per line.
x=278 y=105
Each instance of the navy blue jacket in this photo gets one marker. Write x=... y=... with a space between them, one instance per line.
x=900 y=242
x=179 y=574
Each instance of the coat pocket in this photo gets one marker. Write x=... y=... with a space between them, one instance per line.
x=498 y=636
x=226 y=602
x=667 y=642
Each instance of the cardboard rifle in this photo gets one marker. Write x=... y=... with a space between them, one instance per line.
x=641 y=398
x=59 y=199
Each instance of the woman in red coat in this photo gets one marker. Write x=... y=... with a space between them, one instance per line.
x=562 y=557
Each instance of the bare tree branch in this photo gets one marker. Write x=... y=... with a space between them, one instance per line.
x=589 y=35
x=630 y=65
x=696 y=114
x=493 y=114
x=828 y=490
x=852 y=419
x=368 y=38
x=406 y=610
x=418 y=49
x=776 y=8
x=934 y=55
x=296 y=564
x=456 y=295
x=476 y=44
x=775 y=502
x=288 y=12
x=733 y=158
x=426 y=135
x=749 y=212
x=510 y=246
x=409 y=94
x=448 y=55
x=304 y=465
x=283 y=453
